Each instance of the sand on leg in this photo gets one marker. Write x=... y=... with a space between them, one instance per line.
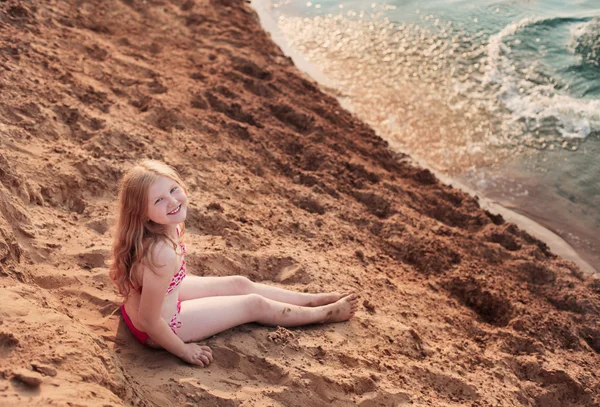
x=193 y=287
x=204 y=317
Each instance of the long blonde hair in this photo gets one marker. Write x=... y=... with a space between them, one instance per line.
x=135 y=234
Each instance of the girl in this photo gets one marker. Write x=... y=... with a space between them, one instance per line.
x=164 y=308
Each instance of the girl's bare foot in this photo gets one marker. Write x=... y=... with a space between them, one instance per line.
x=343 y=309
x=325 y=298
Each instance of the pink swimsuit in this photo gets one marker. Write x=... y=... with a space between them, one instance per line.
x=174 y=323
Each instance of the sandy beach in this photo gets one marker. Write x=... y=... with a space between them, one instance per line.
x=458 y=306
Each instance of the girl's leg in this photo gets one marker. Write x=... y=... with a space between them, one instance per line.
x=193 y=287
x=204 y=317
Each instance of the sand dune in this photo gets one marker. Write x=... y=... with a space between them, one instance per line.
x=458 y=307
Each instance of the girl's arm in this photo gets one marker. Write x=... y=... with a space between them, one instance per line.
x=155 y=283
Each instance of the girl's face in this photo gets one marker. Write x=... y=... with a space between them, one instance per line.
x=167 y=202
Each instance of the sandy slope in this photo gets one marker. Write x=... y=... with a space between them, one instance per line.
x=458 y=307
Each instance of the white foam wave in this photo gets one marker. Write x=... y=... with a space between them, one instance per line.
x=496 y=45
x=576 y=118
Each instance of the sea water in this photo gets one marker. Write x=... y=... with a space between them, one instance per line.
x=503 y=96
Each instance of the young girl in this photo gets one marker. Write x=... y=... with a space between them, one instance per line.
x=165 y=308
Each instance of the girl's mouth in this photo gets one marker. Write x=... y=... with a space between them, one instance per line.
x=175 y=211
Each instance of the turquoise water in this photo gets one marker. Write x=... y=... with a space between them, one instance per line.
x=503 y=96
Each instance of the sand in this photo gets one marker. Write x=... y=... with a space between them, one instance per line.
x=458 y=307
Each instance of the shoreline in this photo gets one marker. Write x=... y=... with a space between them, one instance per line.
x=525 y=221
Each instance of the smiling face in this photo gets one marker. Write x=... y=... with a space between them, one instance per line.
x=167 y=202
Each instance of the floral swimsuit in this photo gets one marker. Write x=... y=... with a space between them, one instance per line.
x=174 y=323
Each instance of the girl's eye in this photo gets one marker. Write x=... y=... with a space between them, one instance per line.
x=157 y=201
x=173 y=189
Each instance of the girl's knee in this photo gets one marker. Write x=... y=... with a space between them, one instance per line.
x=257 y=305
x=242 y=284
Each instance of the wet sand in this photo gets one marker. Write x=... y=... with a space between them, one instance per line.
x=458 y=306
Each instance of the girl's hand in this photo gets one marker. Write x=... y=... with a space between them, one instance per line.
x=197 y=354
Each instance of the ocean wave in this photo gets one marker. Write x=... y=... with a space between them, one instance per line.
x=497 y=47
x=576 y=118
x=537 y=103
x=586 y=41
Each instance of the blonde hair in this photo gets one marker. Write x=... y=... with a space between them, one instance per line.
x=136 y=235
